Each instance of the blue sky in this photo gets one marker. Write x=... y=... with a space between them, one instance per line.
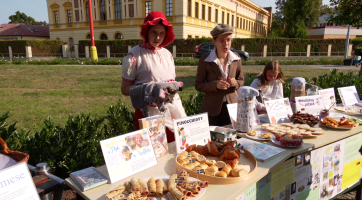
x=38 y=9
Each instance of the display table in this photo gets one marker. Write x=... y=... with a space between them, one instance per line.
x=166 y=166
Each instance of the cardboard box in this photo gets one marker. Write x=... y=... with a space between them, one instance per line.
x=221 y=134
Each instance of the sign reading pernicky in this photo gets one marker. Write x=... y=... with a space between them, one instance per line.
x=191 y=130
x=246 y=115
x=278 y=110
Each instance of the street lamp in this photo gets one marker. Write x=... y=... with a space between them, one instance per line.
x=93 y=49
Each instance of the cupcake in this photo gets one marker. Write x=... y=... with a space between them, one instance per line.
x=286 y=141
x=278 y=135
x=297 y=140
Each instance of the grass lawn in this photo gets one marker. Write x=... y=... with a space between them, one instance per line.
x=33 y=93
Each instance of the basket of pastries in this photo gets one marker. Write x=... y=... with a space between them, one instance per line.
x=173 y=187
x=217 y=163
x=15 y=156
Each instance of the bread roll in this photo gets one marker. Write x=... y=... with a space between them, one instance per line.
x=220 y=164
x=227 y=169
x=210 y=162
x=201 y=159
x=181 y=157
x=182 y=162
x=238 y=172
x=221 y=174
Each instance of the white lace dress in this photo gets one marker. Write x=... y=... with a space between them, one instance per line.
x=274 y=90
x=143 y=65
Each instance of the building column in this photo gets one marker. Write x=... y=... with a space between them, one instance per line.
x=265 y=50
x=86 y=51
x=350 y=50
x=242 y=47
x=10 y=53
x=129 y=48
x=329 y=50
x=174 y=51
x=287 y=51
x=28 y=52
x=76 y=50
x=65 y=50
x=108 y=51
x=308 y=50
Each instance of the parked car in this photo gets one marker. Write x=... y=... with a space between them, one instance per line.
x=208 y=47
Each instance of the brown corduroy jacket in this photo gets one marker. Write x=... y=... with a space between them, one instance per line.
x=208 y=73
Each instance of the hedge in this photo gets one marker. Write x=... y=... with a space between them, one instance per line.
x=356 y=42
x=252 y=45
x=38 y=46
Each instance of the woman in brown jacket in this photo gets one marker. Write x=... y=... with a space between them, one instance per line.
x=219 y=75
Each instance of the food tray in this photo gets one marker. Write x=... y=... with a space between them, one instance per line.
x=246 y=156
x=340 y=128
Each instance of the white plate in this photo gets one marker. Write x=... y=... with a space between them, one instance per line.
x=278 y=143
x=353 y=114
x=165 y=178
x=340 y=128
x=257 y=136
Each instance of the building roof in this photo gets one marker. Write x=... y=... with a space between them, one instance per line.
x=24 y=30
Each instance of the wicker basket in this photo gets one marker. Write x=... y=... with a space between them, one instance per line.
x=16 y=155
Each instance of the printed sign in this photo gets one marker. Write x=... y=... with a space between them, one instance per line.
x=309 y=104
x=128 y=154
x=278 y=110
x=328 y=97
x=191 y=130
x=349 y=95
x=16 y=183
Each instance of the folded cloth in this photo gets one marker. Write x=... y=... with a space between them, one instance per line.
x=151 y=93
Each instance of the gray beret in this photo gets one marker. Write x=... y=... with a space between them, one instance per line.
x=221 y=29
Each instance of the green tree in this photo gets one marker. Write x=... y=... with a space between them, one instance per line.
x=346 y=12
x=276 y=30
x=297 y=15
x=25 y=19
x=325 y=9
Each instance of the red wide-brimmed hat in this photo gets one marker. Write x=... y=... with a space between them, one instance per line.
x=154 y=18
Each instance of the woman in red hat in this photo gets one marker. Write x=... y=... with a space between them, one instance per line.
x=150 y=62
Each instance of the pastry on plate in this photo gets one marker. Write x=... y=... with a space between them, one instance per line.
x=265 y=136
x=318 y=133
x=265 y=125
x=251 y=132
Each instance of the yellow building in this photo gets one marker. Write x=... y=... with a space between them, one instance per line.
x=121 y=19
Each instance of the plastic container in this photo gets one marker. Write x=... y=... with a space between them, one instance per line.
x=298 y=88
x=246 y=112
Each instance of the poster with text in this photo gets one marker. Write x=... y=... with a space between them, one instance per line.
x=309 y=104
x=128 y=154
x=352 y=161
x=16 y=183
x=307 y=182
x=278 y=110
x=332 y=169
x=328 y=97
x=191 y=130
x=349 y=95
x=282 y=180
x=260 y=190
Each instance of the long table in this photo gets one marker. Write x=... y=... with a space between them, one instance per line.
x=166 y=166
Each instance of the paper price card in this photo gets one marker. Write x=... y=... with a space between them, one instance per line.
x=191 y=130
x=309 y=104
x=128 y=154
x=16 y=183
x=328 y=97
x=349 y=95
x=278 y=110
